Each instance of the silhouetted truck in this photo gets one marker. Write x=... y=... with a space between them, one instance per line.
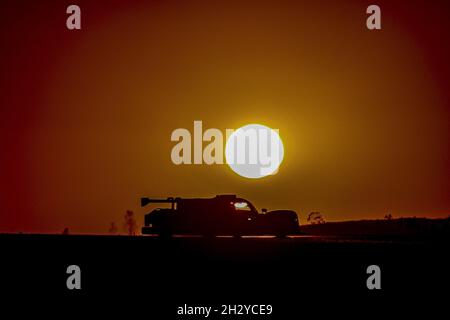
x=221 y=215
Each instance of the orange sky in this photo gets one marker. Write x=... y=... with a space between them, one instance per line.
x=86 y=116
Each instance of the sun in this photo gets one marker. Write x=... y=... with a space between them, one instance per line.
x=254 y=151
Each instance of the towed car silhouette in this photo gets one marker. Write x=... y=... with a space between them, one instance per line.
x=221 y=215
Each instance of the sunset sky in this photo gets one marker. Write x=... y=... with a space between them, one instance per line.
x=86 y=116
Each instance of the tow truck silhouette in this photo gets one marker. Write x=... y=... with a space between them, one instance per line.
x=221 y=215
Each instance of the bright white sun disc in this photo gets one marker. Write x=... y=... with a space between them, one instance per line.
x=254 y=151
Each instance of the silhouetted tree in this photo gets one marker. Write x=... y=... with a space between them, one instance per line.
x=130 y=223
x=388 y=217
x=65 y=231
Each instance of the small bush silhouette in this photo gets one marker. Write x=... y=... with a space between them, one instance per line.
x=315 y=217
x=113 y=229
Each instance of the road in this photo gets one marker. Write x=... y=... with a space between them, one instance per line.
x=168 y=272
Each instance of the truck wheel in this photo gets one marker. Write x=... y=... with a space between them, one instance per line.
x=165 y=235
x=164 y=232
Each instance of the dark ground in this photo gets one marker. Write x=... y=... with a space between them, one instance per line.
x=154 y=276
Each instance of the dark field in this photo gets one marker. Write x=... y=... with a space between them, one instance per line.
x=293 y=274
